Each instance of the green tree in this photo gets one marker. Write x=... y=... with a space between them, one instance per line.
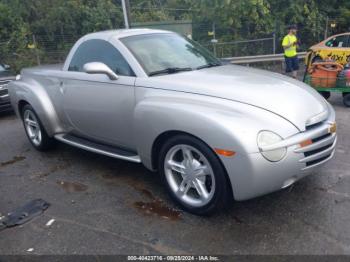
x=57 y=24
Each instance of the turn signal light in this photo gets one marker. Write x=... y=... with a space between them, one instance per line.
x=306 y=143
x=226 y=153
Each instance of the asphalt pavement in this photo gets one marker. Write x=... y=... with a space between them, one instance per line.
x=105 y=206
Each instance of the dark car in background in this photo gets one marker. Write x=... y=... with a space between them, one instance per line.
x=6 y=76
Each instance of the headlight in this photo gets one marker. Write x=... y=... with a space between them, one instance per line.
x=266 y=138
x=18 y=77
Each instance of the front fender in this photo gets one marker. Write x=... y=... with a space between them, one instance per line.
x=32 y=92
x=218 y=122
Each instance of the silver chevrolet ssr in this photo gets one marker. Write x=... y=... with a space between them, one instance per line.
x=214 y=132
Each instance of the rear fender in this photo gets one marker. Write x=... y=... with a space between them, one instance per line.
x=33 y=93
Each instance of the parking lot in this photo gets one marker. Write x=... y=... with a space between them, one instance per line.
x=106 y=206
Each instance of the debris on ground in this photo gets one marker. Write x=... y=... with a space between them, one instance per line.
x=71 y=187
x=51 y=221
x=12 y=161
x=24 y=214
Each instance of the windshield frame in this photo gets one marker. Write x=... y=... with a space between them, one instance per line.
x=204 y=52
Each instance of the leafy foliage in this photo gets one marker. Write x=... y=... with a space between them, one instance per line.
x=56 y=24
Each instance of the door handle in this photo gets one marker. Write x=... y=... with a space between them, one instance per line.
x=62 y=89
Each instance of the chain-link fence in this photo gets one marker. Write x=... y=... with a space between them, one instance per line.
x=44 y=49
x=260 y=46
x=221 y=39
x=36 y=50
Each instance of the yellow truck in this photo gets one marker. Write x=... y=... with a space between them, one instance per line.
x=328 y=67
x=335 y=48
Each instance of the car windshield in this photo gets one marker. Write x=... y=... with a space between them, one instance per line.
x=2 y=68
x=168 y=53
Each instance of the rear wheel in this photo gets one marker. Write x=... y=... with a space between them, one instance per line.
x=346 y=99
x=194 y=175
x=325 y=94
x=35 y=130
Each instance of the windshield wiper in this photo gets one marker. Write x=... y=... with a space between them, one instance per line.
x=208 y=65
x=170 y=70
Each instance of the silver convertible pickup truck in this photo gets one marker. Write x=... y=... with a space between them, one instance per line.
x=214 y=132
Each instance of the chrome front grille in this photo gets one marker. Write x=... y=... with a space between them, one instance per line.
x=3 y=92
x=309 y=127
x=3 y=88
x=315 y=140
x=321 y=149
x=318 y=161
x=316 y=151
x=4 y=82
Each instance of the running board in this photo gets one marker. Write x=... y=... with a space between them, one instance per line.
x=98 y=148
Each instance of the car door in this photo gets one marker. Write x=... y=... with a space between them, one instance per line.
x=95 y=106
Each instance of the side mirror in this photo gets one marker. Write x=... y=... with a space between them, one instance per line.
x=7 y=67
x=100 y=68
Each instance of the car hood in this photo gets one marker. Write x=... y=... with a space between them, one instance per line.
x=284 y=96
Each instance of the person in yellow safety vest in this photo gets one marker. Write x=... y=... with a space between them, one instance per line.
x=290 y=44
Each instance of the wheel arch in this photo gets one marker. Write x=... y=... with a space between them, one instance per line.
x=21 y=104
x=161 y=139
x=165 y=136
x=33 y=93
x=158 y=143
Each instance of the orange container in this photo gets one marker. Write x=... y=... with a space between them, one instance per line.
x=324 y=74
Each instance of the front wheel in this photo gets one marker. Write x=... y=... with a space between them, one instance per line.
x=35 y=130
x=346 y=99
x=325 y=94
x=317 y=59
x=194 y=175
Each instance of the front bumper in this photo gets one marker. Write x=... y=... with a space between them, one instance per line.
x=252 y=175
x=5 y=103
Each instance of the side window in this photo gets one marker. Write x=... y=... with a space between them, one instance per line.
x=339 y=41
x=100 y=51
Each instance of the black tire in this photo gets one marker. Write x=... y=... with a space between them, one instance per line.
x=346 y=99
x=46 y=142
x=317 y=59
x=325 y=94
x=222 y=195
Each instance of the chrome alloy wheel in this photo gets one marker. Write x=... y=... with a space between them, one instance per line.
x=189 y=175
x=32 y=126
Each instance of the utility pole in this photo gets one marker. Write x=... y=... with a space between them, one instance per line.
x=126 y=12
x=214 y=41
x=326 y=31
x=274 y=42
x=36 y=50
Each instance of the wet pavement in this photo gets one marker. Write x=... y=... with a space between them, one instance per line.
x=106 y=206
